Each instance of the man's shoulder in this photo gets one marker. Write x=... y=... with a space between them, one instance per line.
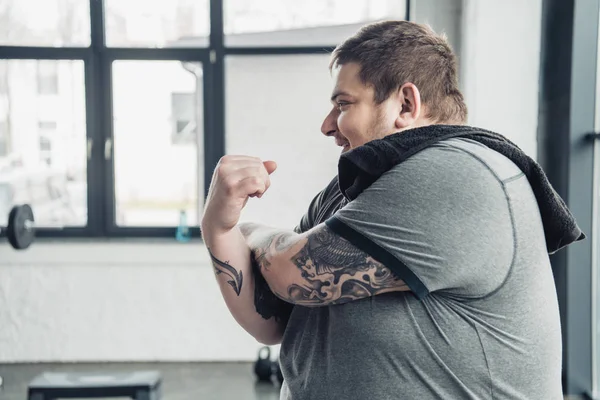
x=455 y=159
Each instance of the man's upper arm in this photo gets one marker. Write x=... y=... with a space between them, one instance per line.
x=440 y=221
x=267 y=304
x=327 y=269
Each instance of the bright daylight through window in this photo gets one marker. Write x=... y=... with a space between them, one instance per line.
x=113 y=113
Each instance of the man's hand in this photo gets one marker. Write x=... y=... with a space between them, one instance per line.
x=236 y=178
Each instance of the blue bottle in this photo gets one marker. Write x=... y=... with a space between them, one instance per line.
x=183 y=231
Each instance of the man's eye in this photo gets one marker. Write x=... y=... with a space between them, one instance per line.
x=341 y=104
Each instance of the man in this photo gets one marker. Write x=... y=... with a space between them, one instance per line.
x=422 y=270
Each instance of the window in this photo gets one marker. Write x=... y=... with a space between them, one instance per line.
x=113 y=131
x=46 y=126
x=54 y=23
x=4 y=139
x=46 y=146
x=185 y=116
x=47 y=77
x=302 y=23
x=5 y=187
x=267 y=127
x=155 y=176
x=157 y=23
x=3 y=77
x=46 y=133
x=42 y=165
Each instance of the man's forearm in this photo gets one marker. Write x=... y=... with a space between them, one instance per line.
x=267 y=245
x=231 y=259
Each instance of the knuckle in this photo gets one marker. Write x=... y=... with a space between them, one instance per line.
x=228 y=183
x=222 y=166
x=258 y=170
x=229 y=190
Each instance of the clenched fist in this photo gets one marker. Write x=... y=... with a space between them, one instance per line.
x=236 y=178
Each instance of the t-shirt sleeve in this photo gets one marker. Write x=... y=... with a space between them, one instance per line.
x=440 y=221
x=309 y=219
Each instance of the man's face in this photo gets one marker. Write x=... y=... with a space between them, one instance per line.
x=355 y=119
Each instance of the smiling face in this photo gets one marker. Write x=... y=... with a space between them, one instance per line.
x=356 y=118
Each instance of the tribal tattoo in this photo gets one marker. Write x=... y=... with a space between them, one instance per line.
x=223 y=267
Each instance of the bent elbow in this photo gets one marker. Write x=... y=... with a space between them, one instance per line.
x=278 y=284
x=269 y=339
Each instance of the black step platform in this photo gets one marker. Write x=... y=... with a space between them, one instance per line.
x=141 y=385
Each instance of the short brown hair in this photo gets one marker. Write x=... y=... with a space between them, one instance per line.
x=392 y=53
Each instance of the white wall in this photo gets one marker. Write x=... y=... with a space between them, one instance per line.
x=159 y=301
x=444 y=16
x=500 y=67
x=274 y=111
x=498 y=43
x=135 y=300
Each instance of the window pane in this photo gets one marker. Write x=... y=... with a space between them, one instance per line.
x=275 y=106
x=302 y=23
x=157 y=23
x=53 y=23
x=43 y=143
x=158 y=138
x=47 y=77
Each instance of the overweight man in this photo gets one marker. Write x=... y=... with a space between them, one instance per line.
x=421 y=271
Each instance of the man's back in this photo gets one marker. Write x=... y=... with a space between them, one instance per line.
x=465 y=222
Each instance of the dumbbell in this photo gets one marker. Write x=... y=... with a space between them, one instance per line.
x=21 y=229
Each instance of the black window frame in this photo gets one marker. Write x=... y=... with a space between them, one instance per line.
x=567 y=131
x=97 y=59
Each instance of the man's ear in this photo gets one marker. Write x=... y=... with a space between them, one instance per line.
x=409 y=98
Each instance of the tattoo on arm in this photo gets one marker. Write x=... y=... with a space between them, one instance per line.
x=262 y=245
x=223 y=267
x=266 y=302
x=262 y=249
x=336 y=272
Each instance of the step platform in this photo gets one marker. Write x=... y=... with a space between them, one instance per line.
x=140 y=385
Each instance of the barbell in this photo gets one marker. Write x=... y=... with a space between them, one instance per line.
x=21 y=229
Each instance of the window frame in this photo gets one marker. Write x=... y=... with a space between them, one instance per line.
x=98 y=59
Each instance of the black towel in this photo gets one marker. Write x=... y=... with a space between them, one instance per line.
x=362 y=166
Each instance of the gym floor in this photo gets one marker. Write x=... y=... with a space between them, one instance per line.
x=181 y=381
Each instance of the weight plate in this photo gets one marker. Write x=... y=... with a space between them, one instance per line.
x=20 y=229
x=10 y=227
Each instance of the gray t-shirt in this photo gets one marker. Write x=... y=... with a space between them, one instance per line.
x=462 y=228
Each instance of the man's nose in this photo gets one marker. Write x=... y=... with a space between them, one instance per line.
x=329 y=126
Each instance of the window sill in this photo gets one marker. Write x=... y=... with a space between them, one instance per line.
x=110 y=251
